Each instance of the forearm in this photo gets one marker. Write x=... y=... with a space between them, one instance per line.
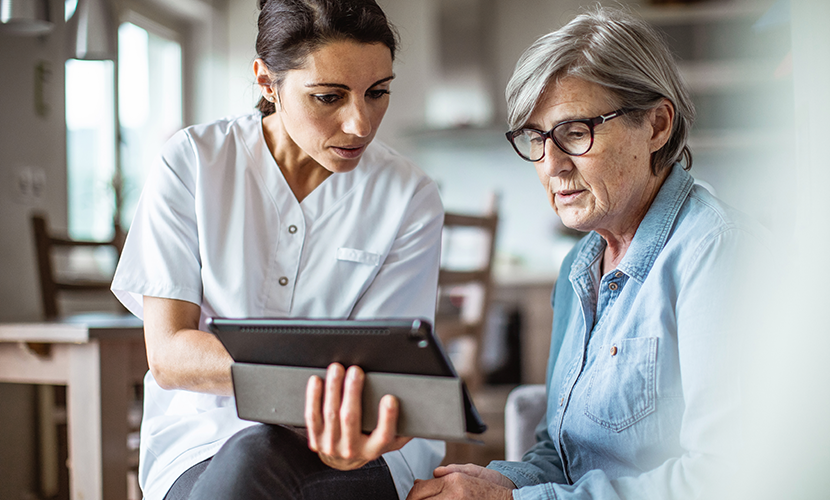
x=179 y=355
x=192 y=360
x=540 y=464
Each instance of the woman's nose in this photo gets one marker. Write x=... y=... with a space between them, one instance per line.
x=357 y=120
x=555 y=161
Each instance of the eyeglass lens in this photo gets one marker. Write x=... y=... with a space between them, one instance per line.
x=572 y=137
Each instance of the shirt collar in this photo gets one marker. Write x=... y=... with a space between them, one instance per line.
x=652 y=233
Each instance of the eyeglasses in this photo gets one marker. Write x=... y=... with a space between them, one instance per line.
x=573 y=137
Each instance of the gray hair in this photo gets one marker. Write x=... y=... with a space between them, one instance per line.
x=622 y=54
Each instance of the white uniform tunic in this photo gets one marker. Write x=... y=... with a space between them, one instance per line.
x=217 y=225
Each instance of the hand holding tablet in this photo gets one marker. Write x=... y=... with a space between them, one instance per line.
x=333 y=418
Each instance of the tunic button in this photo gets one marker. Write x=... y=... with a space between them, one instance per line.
x=283 y=281
x=613 y=286
x=613 y=350
x=292 y=229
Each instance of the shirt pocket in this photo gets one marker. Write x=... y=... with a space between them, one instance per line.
x=623 y=386
x=359 y=256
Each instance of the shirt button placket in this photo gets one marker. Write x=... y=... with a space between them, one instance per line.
x=294 y=244
x=289 y=261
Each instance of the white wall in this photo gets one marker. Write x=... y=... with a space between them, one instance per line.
x=29 y=140
x=38 y=142
x=242 y=31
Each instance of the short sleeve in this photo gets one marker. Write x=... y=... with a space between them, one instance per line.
x=161 y=254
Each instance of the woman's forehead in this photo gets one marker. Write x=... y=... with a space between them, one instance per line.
x=344 y=61
x=570 y=98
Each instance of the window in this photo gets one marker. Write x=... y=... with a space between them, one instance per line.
x=149 y=105
x=90 y=144
x=149 y=112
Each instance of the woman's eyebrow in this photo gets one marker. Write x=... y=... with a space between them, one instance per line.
x=346 y=87
x=332 y=85
x=562 y=119
x=382 y=80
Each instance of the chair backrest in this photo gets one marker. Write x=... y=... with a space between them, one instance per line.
x=52 y=284
x=469 y=289
x=523 y=411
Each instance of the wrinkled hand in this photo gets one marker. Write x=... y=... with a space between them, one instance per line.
x=333 y=416
x=455 y=482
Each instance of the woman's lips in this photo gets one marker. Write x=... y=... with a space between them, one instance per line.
x=349 y=152
x=567 y=195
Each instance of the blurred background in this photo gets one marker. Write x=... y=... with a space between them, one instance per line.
x=86 y=105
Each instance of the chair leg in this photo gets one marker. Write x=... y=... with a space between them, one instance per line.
x=47 y=437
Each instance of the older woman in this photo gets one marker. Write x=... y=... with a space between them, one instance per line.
x=290 y=211
x=641 y=383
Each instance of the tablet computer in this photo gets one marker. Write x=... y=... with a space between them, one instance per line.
x=383 y=346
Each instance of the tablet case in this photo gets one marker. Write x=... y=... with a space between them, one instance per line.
x=274 y=358
x=430 y=406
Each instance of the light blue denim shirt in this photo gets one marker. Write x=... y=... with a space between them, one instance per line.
x=643 y=380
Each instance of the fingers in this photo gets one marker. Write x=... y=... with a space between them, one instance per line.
x=331 y=407
x=424 y=489
x=313 y=414
x=351 y=411
x=458 y=485
x=333 y=416
x=469 y=469
x=476 y=471
x=382 y=438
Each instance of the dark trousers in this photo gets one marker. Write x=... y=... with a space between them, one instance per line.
x=274 y=462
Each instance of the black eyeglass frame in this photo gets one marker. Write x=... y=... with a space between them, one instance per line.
x=590 y=122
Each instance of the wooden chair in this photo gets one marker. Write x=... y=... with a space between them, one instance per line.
x=52 y=284
x=464 y=294
x=464 y=291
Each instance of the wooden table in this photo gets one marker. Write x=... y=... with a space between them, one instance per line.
x=98 y=358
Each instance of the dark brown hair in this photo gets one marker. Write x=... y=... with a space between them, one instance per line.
x=289 y=30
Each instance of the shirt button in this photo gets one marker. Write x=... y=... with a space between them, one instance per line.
x=561 y=401
x=613 y=350
x=283 y=281
x=613 y=286
x=292 y=229
x=618 y=274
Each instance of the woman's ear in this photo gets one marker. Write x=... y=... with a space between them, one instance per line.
x=264 y=80
x=661 y=119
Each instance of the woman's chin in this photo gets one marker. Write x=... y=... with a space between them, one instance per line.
x=572 y=220
x=342 y=167
x=338 y=165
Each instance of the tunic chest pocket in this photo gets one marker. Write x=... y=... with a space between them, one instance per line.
x=622 y=388
x=359 y=256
